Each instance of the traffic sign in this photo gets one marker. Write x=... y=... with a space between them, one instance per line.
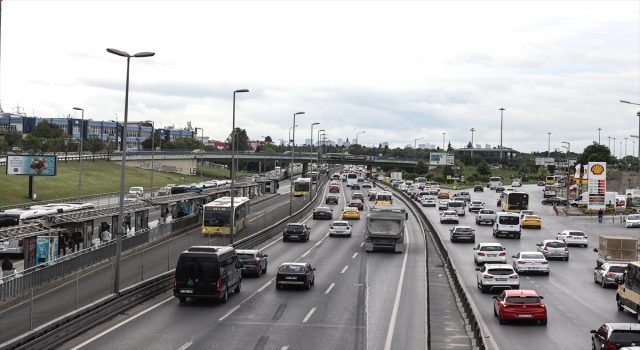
x=448 y=177
x=455 y=168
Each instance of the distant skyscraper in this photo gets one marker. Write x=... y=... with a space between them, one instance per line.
x=307 y=141
x=422 y=146
x=432 y=146
x=478 y=145
x=488 y=146
x=385 y=144
x=408 y=145
x=339 y=142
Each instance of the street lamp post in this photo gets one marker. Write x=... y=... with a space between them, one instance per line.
x=549 y=145
x=201 y=153
x=324 y=142
x=625 y=150
x=362 y=132
x=311 y=153
x=568 y=150
x=80 y=152
x=293 y=145
x=291 y=128
x=472 y=130
x=116 y=279
x=415 y=149
x=153 y=149
x=599 y=129
x=609 y=137
x=501 y=110
x=638 y=113
x=614 y=147
x=232 y=225
x=318 y=152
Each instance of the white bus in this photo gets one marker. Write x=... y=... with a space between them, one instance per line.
x=352 y=178
x=494 y=181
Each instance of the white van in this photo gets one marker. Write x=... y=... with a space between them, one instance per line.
x=494 y=182
x=507 y=224
x=457 y=206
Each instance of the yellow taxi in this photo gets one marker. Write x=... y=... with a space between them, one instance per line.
x=351 y=213
x=443 y=194
x=531 y=221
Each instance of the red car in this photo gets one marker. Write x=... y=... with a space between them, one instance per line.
x=519 y=304
x=334 y=189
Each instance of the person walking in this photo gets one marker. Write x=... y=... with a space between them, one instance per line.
x=600 y=214
x=7 y=267
x=127 y=222
x=105 y=236
x=63 y=240
x=76 y=239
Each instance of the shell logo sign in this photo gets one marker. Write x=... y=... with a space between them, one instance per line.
x=597 y=169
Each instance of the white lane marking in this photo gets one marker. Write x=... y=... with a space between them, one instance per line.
x=285 y=347
x=121 y=323
x=265 y=286
x=361 y=244
x=354 y=255
x=185 y=346
x=345 y=269
x=228 y=313
x=306 y=318
x=396 y=304
x=330 y=288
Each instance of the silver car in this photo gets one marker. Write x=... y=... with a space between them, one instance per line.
x=476 y=206
x=553 y=248
x=449 y=216
x=486 y=253
x=443 y=204
x=633 y=220
x=530 y=262
x=497 y=276
x=607 y=273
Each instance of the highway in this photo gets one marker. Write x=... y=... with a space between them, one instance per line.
x=359 y=301
x=575 y=304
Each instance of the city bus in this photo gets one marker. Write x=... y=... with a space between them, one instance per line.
x=352 y=178
x=551 y=179
x=314 y=176
x=514 y=201
x=384 y=197
x=301 y=186
x=216 y=215
x=421 y=180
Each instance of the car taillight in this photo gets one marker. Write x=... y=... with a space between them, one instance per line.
x=254 y=261
x=219 y=285
x=521 y=262
x=316 y=212
x=566 y=249
x=513 y=276
x=487 y=276
x=585 y=237
x=610 y=274
x=331 y=227
x=545 y=249
x=610 y=346
x=545 y=263
x=174 y=283
x=19 y=242
x=502 y=254
x=569 y=237
x=480 y=254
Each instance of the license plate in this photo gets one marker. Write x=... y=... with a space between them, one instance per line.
x=554 y=253
x=339 y=231
x=533 y=268
x=501 y=279
x=186 y=291
x=492 y=255
x=524 y=316
x=292 y=278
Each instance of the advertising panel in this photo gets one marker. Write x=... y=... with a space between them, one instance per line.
x=597 y=184
x=545 y=161
x=46 y=249
x=450 y=160
x=633 y=198
x=32 y=165
x=438 y=159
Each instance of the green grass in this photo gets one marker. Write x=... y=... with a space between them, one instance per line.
x=97 y=177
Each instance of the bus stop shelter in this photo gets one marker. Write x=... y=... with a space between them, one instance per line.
x=28 y=233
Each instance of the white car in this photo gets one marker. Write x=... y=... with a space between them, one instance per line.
x=509 y=190
x=530 y=262
x=476 y=205
x=449 y=216
x=607 y=273
x=137 y=190
x=497 y=276
x=489 y=253
x=428 y=201
x=516 y=184
x=131 y=197
x=523 y=213
x=444 y=204
x=335 y=183
x=633 y=220
x=340 y=228
x=573 y=237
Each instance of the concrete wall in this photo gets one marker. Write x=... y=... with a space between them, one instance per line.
x=185 y=166
x=621 y=181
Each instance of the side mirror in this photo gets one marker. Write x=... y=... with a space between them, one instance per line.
x=513 y=256
x=540 y=296
x=538 y=244
x=475 y=248
x=265 y=255
x=619 y=281
x=494 y=297
x=593 y=331
x=313 y=269
x=477 y=269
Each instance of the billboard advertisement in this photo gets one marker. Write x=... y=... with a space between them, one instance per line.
x=633 y=198
x=597 y=184
x=46 y=249
x=438 y=159
x=545 y=161
x=32 y=165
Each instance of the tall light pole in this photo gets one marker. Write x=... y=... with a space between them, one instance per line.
x=324 y=141
x=232 y=226
x=549 y=145
x=609 y=137
x=116 y=277
x=443 y=140
x=472 y=130
x=153 y=148
x=80 y=151
x=599 y=136
x=501 y=110
x=415 y=149
x=625 y=149
x=568 y=150
x=620 y=150
x=362 y=132
x=638 y=114
x=311 y=154
x=318 y=138
x=201 y=153
x=614 y=147
x=291 y=128
x=293 y=145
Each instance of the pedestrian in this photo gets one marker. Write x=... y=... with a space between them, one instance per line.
x=127 y=221
x=7 y=266
x=76 y=239
x=63 y=240
x=600 y=214
x=105 y=236
x=161 y=220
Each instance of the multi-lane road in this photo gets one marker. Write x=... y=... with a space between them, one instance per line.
x=575 y=304
x=359 y=301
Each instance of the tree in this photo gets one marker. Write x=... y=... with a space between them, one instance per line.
x=110 y=146
x=543 y=171
x=156 y=142
x=94 y=145
x=483 y=169
x=595 y=153
x=446 y=170
x=47 y=130
x=31 y=144
x=268 y=139
x=421 y=167
x=70 y=146
x=242 y=141
x=186 y=143
x=449 y=147
x=13 y=138
x=4 y=147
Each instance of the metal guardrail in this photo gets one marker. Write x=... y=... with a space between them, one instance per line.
x=479 y=330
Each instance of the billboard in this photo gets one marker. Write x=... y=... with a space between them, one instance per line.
x=633 y=198
x=32 y=165
x=545 y=161
x=597 y=184
x=438 y=159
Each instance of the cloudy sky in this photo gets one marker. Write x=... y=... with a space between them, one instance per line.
x=396 y=70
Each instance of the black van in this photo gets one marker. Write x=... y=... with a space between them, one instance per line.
x=207 y=272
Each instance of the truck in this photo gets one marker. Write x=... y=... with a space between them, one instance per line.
x=583 y=199
x=395 y=175
x=616 y=249
x=494 y=182
x=385 y=227
x=486 y=216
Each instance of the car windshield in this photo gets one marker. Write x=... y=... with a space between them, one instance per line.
x=291 y=269
x=500 y=271
x=531 y=217
x=556 y=244
x=295 y=227
x=509 y=220
x=476 y=202
x=323 y=209
x=532 y=256
x=449 y=213
x=340 y=224
x=486 y=211
x=523 y=300
x=245 y=256
x=576 y=233
x=463 y=229
x=617 y=269
x=456 y=204
x=491 y=248
x=633 y=217
x=197 y=267
x=626 y=335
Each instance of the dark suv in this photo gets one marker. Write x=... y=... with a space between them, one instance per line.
x=207 y=272
x=331 y=199
x=358 y=195
x=478 y=188
x=615 y=336
x=322 y=213
x=296 y=231
x=253 y=261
